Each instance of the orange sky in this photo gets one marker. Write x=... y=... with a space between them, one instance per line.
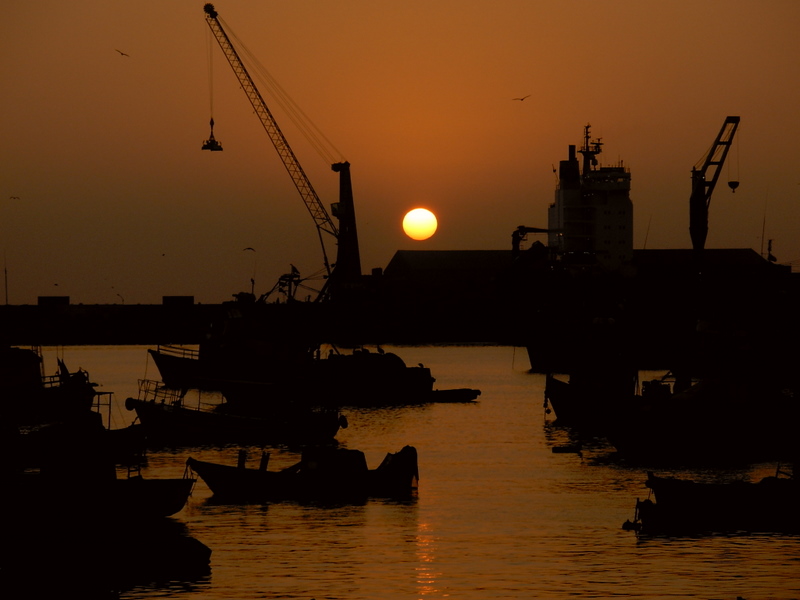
x=116 y=201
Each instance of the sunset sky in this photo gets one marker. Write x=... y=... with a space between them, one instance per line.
x=105 y=195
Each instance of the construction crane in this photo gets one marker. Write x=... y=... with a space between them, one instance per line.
x=703 y=181
x=347 y=267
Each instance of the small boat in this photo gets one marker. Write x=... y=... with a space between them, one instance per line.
x=323 y=473
x=169 y=419
x=684 y=506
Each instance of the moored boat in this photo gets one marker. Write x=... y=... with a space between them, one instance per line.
x=169 y=419
x=323 y=473
x=685 y=506
x=29 y=397
x=716 y=420
x=333 y=379
x=75 y=477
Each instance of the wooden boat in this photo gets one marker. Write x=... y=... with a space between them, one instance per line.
x=45 y=556
x=323 y=473
x=359 y=378
x=717 y=420
x=75 y=477
x=684 y=506
x=44 y=496
x=31 y=447
x=29 y=397
x=590 y=399
x=168 y=419
x=713 y=420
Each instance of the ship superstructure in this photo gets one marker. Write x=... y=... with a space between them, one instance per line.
x=590 y=223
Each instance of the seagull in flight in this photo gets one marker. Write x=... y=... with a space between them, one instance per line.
x=121 y=53
x=523 y=98
x=13 y=197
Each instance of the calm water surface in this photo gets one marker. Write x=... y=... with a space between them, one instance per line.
x=498 y=514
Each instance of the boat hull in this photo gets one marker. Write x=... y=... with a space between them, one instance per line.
x=91 y=500
x=176 y=424
x=359 y=379
x=332 y=474
x=684 y=506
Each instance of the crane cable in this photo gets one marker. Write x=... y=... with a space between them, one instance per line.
x=210 y=61
x=321 y=144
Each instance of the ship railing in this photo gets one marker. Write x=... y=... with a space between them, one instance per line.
x=178 y=351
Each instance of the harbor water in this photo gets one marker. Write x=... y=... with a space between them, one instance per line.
x=498 y=514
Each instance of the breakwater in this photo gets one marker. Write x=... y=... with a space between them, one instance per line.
x=103 y=324
x=112 y=324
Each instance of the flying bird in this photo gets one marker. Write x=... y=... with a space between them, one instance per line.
x=13 y=197
x=248 y=248
x=122 y=53
x=523 y=98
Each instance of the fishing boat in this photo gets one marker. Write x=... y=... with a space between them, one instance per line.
x=170 y=419
x=362 y=377
x=29 y=397
x=76 y=477
x=723 y=417
x=589 y=403
x=716 y=420
x=47 y=555
x=684 y=506
x=323 y=473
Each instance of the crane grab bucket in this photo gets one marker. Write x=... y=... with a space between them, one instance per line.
x=211 y=143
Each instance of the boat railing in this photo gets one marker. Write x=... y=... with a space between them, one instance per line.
x=103 y=402
x=51 y=381
x=62 y=378
x=178 y=351
x=151 y=390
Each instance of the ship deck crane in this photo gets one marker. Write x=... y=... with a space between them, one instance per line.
x=348 y=263
x=520 y=234
x=703 y=181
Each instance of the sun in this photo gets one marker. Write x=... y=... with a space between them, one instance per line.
x=419 y=224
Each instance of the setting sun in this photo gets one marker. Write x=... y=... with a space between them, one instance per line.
x=419 y=224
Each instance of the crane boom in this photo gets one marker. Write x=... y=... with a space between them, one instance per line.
x=704 y=180
x=322 y=220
